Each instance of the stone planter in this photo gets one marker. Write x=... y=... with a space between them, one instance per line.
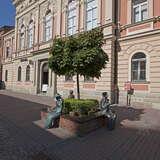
x=82 y=125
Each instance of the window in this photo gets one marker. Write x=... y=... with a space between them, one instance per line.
x=22 y=38
x=19 y=73
x=71 y=18
x=68 y=78
x=28 y=73
x=48 y=27
x=30 y=34
x=138 y=67
x=7 y=52
x=139 y=10
x=88 y=79
x=6 y=75
x=91 y=14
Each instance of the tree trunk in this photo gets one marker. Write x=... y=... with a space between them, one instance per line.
x=55 y=84
x=78 y=90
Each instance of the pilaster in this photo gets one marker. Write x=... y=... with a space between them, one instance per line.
x=109 y=11
x=99 y=10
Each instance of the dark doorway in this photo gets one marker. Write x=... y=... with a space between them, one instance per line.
x=45 y=77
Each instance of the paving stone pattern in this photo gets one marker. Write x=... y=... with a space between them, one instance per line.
x=136 y=137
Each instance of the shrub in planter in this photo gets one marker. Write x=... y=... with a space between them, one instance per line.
x=82 y=106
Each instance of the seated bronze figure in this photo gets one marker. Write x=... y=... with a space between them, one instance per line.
x=54 y=115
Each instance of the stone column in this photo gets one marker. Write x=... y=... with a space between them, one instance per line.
x=64 y=21
x=16 y=35
x=35 y=73
x=50 y=78
x=34 y=33
x=37 y=76
x=99 y=10
x=82 y=15
x=129 y=12
x=78 y=16
x=59 y=10
x=38 y=27
x=150 y=8
x=109 y=11
x=25 y=37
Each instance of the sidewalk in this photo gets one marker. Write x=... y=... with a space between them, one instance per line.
x=48 y=101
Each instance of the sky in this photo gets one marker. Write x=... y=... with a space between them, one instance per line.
x=7 y=13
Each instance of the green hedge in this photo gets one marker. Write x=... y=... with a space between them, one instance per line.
x=82 y=106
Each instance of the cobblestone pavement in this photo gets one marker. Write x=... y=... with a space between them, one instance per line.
x=136 y=137
x=42 y=99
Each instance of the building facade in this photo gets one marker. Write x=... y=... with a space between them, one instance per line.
x=139 y=51
x=37 y=23
x=3 y=30
x=131 y=31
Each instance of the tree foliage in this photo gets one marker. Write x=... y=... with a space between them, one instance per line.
x=82 y=54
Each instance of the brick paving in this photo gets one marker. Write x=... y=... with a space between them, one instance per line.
x=136 y=137
x=42 y=99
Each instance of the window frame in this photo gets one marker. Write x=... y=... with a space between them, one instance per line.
x=139 y=70
x=139 y=6
x=93 y=19
x=28 y=73
x=71 y=8
x=48 y=26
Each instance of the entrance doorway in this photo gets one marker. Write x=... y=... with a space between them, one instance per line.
x=45 y=77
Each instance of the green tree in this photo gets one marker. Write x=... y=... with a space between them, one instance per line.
x=81 y=55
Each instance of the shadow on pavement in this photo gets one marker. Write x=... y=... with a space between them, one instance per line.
x=130 y=114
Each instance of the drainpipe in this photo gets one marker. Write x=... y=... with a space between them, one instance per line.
x=116 y=44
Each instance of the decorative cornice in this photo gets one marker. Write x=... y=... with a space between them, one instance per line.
x=154 y=19
x=16 y=2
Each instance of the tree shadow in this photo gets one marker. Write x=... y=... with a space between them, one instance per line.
x=128 y=113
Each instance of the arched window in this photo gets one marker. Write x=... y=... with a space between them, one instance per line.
x=30 y=34
x=138 y=67
x=19 y=73
x=91 y=14
x=28 y=73
x=71 y=18
x=22 y=37
x=6 y=75
x=48 y=26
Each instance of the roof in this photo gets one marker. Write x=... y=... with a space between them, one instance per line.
x=6 y=28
